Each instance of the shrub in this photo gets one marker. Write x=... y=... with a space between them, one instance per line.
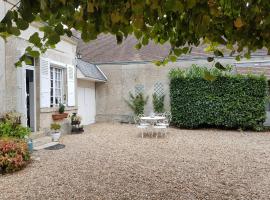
x=12 y=117
x=14 y=155
x=158 y=103
x=229 y=101
x=61 y=108
x=7 y=129
x=55 y=127
x=137 y=103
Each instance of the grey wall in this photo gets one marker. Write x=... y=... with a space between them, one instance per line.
x=122 y=78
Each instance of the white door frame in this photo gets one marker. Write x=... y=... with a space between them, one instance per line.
x=29 y=67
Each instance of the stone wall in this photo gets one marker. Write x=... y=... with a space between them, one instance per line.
x=122 y=79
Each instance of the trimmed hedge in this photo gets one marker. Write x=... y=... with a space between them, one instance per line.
x=229 y=101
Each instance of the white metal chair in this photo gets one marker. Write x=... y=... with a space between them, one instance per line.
x=141 y=125
x=166 y=121
x=160 y=129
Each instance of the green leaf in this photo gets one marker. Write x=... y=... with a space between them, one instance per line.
x=59 y=29
x=208 y=76
x=115 y=17
x=53 y=39
x=138 y=46
x=210 y=59
x=27 y=60
x=220 y=66
x=173 y=58
x=34 y=54
x=35 y=39
x=138 y=34
x=218 y=53
x=90 y=7
x=22 y=24
x=119 y=38
x=185 y=50
x=191 y=3
x=177 y=51
x=238 y=58
x=68 y=32
x=145 y=40
x=14 y=31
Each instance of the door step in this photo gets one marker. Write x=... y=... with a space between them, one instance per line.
x=43 y=142
x=45 y=145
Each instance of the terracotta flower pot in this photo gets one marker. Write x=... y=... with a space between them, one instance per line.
x=59 y=116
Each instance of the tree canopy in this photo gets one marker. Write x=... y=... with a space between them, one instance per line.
x=241 y=27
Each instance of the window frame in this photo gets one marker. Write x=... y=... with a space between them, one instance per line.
x=56 y=75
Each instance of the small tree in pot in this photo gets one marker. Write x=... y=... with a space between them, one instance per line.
x=56 y=133
x=137 y=103
x=158 y=103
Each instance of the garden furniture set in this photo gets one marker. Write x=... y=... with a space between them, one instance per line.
x=153 y=124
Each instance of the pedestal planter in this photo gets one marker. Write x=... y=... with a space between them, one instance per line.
x=59 y=116
x=56 y=136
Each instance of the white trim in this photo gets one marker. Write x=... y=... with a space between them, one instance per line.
x=91 y=79
x=53 y=70
x=81 y=76
x=57 y=63
x=102 y=72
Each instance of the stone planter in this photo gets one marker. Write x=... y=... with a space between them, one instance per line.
x=55 y=136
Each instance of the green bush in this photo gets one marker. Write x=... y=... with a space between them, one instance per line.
x=8 y=129
x=61 y=108
x=137 y=103
x=158 y=103
x=229 y=101
x=14 y=155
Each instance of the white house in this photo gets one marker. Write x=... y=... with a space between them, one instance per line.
x=36 y=90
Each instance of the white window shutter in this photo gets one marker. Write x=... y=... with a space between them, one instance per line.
x=71 y=85
x=44 y=83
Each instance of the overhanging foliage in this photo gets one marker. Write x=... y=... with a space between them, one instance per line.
x=239 y=26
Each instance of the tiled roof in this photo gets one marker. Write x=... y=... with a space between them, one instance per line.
x=90 y=70
x=106 y=50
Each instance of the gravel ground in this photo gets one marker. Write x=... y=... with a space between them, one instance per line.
x=111 y=161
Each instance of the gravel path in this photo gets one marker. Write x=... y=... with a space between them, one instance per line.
x=111 y=161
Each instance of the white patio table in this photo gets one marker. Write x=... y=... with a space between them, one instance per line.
x=152 y=120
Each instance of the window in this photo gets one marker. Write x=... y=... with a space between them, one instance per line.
x=57 y=91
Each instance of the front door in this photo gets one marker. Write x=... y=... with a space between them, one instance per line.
x=30 y=99
x=26 y=96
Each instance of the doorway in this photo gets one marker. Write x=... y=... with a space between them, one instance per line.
x=30 y=99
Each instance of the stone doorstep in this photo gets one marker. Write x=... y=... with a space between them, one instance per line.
x=45 y=145
x=37 y=135
x=41 y=141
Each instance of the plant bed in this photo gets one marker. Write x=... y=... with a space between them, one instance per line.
x=59 y=116
x=14 y=155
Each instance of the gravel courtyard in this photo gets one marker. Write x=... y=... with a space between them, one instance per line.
x=111 y=161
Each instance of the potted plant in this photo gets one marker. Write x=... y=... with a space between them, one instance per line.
x=61 y=113
x=75 y=122
x=56 y=133
x=76 y=119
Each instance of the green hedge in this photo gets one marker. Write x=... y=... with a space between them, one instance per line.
x=229 y=101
